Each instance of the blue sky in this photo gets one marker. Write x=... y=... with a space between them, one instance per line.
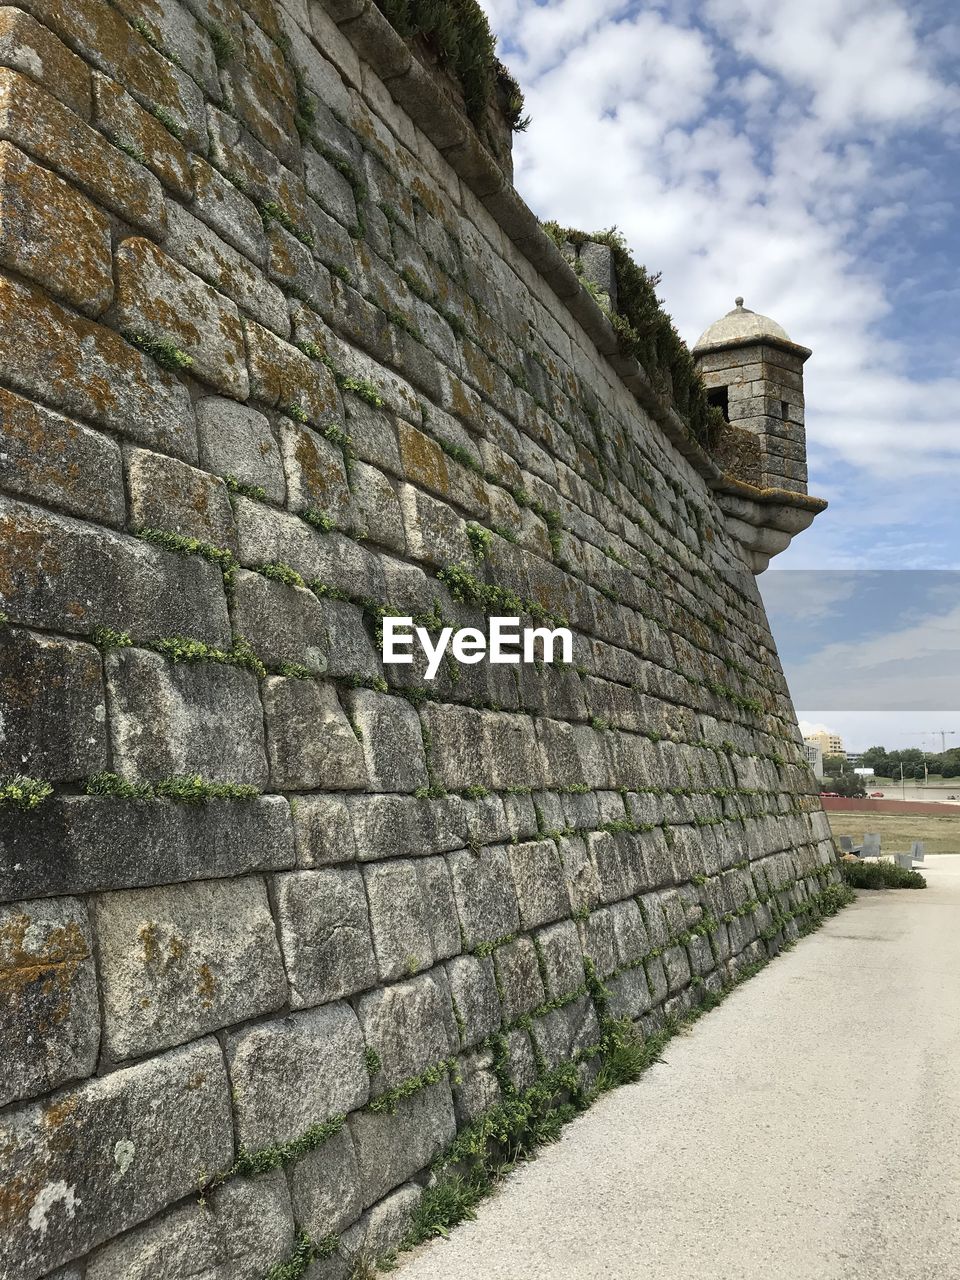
x=806 y=156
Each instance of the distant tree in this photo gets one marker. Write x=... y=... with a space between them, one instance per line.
x=847 y=784
x=833 y=765
x=878 y=759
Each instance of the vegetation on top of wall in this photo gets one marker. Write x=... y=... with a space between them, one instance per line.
x=458 y=34
x=647 y=332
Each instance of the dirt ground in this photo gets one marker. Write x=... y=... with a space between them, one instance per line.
x=897 y=833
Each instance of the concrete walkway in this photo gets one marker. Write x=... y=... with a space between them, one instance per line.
x=809 y=1127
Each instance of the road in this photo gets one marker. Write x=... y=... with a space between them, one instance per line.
x=807 y=1128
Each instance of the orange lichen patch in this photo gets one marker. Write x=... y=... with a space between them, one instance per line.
x=107 y=41
x=268 y=117
x=27 y=551
x=49 y=232
x=36 y=974
x=265 y=65
x=206 y=986
x=18 y=1193
x=423 y=460
x=150 y=941
x=322 y=473
x=428 y=196
x=286 y=256
x=127 y=123
x=461 y=401
x=56 y=1114
x=28 y=47
x=178 y=31
x=53 y=459
x=42 y=126
x=157 y=296
x=280 y=374
x=88 y=370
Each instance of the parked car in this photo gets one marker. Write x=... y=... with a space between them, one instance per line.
x=831 y=794
x=876 y=795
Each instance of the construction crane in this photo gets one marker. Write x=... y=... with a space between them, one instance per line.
x=929 y=733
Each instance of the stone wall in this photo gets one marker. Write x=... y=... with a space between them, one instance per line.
x=279 y=354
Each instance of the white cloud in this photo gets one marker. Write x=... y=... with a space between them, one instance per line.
x=908 y=667
x=744 y=147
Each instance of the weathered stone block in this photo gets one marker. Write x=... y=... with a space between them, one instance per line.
x=486 y=898
x=237 y=441
x=242 y=1229
x=281 y=376
x=229 y=213
x=52 y=234
x=441 y=904
x=583 y=885
x=52 y=706
x=377 y=514
x=49 y=1015
x=476 y=1004
x=399 y=918
x=435 y=533
x=323 y=831
x=383 y=1228
x=182 y=960
x=170 y=718
x=58 y=462
x=389 y=731
x=102 y=37
x=391 y=1146
x=561 y=958
x=518 y=978
x=169 y=495
x=330 y=188
x=310 y=743
x=90 y=371
x=406 y=1025
x=40 y=125
x=158 y=297
x=202 y=252
x=538 y=877
x=127 y=125
x=456 y=738
x=477 y=1089
x=295 y=1072
x=283 y=623
x=183 y=34
x=63 y=574
x=86 y=1163
x=295 y=270
x=398 y=826
x=32 y=50
x=325 y=935
x=82 y=844
x=350 y=650
x=315 y=471
x=563 y=1033
x=325 y=1187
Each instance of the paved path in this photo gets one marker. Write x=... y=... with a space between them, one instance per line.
x=809 y=1127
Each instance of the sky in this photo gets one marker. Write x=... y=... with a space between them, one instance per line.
x=806 y=156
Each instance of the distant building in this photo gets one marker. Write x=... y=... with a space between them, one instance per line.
x=831 y=744
x=814 y=757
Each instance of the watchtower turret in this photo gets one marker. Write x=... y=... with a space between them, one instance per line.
x=754 y=373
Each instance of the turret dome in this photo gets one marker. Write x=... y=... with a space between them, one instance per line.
x=741 y=325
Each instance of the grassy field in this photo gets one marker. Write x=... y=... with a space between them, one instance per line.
x=940 y=835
